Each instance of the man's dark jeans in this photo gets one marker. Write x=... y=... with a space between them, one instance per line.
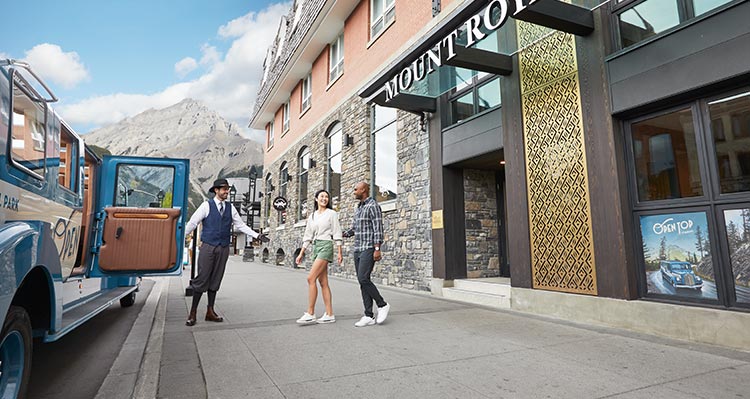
x=364 y=262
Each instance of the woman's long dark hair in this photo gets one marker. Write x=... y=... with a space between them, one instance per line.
x=328 y=205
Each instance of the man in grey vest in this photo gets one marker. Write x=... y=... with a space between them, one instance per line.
x=217 y=216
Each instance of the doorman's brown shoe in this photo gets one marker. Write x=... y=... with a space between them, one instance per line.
x=212 y=316
x=191 y=318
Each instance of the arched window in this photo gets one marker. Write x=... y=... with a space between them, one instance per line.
x=333 y=178
x=304 y=167
x=385 y=159
x=268 y=199
x=283 y=182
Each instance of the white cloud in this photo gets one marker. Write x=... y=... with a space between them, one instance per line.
x=185 y=66
x=229 y=85
x=211 y=56
x=51 y=63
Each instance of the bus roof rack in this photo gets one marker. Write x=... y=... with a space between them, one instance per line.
x=25 y=85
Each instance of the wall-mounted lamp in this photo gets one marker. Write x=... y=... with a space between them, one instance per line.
x=270 y=187
x=348 y=140
x=313 y=163
x=288 y=178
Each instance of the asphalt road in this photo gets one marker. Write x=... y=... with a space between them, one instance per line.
x=75 y=366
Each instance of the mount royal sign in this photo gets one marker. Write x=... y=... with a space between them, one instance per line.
x=433 y=58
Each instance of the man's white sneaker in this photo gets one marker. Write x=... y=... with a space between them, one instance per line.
x=364 y=322
x=326 y=319
x=306 y=318
x=383 y=313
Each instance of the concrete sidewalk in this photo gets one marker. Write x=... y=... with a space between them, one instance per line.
x=428 y=348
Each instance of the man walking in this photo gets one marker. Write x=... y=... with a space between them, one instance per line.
x=217 y=217
x=367 y=230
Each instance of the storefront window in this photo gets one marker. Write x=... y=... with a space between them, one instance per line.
x=335 y=139
x=386 y=156
x=737 y=223
x=730 y=128
x=677 y=255
x=666 y=157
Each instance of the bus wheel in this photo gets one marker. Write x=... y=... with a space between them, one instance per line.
x=128 y=300
x=15 y=353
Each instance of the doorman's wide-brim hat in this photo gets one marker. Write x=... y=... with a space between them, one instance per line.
x=218 y=183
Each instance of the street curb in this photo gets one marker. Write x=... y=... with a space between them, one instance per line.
x=125 y=377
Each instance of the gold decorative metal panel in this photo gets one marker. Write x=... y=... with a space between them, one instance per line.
x=562 y=246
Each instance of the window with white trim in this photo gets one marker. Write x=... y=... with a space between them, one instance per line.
x=304 y=167
x=268 y=199
x=306 y=92
x=336 y=58
x=283 y=183
x=270 y=134
x=335 y=140
x=385 y=159
x=382 y=12
x=285 y=117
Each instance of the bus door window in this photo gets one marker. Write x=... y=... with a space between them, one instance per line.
x=141 y=186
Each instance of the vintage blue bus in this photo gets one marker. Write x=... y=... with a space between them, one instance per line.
x=76 y=231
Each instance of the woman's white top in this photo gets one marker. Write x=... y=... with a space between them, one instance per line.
x=322 y=226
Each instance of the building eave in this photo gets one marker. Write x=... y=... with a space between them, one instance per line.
x=325 y=28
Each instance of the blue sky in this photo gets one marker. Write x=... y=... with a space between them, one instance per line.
x=107 y=60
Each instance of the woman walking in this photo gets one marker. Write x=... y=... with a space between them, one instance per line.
x=322 y=230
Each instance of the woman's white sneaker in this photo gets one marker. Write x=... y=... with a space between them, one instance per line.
x=306 y=318
x=365 y=321
x=326 y=319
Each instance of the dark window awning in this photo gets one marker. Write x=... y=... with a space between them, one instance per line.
x=554 y=14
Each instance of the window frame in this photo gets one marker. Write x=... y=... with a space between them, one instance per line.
x=285 y=117
x=270 y=134
x=374 y=130
x=283 y=186
x=712 y=156
x=385 y=23
x=336 y=128
x=473 y=87
x=338 y=66
x=686 y=16
x=712 y=202
x=306 y=94
x=43 y=108
x=267 y=199
x=73 y=168
x=303 y=172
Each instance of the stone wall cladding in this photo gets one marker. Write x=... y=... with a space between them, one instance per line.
x=407 y=251
x=482 y=245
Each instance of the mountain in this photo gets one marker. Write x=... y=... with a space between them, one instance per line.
x=189 y=130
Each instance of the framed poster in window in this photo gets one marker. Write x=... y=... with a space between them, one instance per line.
x=677 y=255
x=737 y=230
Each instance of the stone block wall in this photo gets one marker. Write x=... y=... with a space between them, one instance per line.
x=482 y=245
x=407 y=251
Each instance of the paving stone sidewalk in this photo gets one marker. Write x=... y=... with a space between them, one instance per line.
x=428 y=348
